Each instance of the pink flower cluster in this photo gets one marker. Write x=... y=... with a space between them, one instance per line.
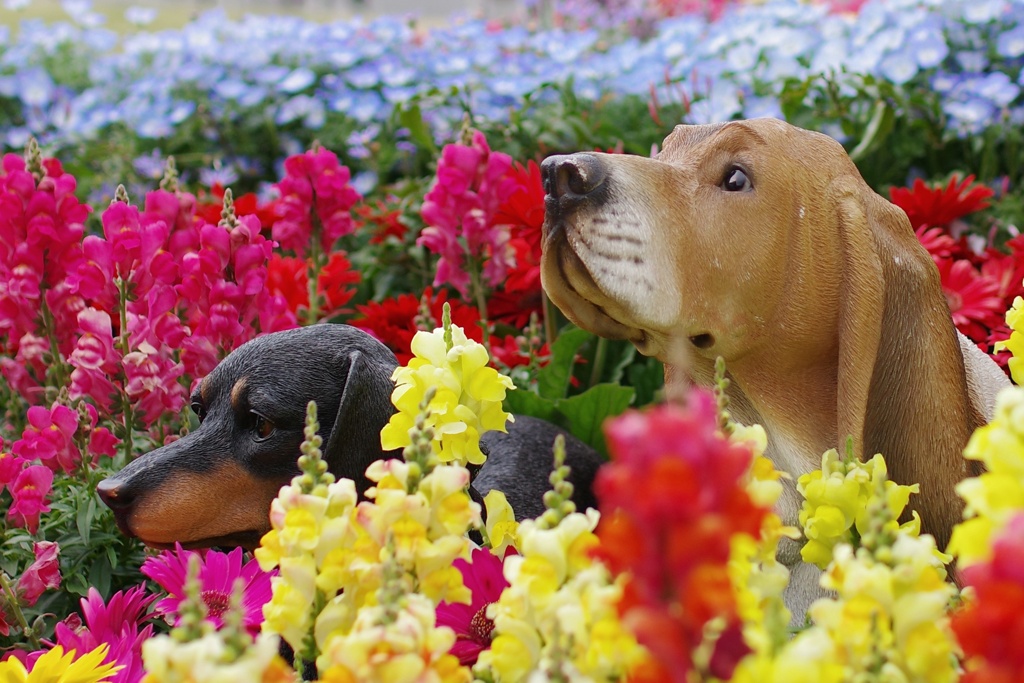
x=316 y=201
x=472 y=185
x=40 y=576
x=50 y=443
x=41 y=228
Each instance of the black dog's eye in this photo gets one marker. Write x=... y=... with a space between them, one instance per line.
x=736 y=180
x=262 y=426
x=199 y=410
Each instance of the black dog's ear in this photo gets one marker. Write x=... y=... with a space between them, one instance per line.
x=365 y=408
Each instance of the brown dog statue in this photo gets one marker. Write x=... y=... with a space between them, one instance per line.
x=760 y=242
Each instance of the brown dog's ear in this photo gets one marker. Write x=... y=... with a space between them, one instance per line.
x=902 y=391
x=365 y=408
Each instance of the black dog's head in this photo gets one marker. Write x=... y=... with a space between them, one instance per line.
x=215 y=485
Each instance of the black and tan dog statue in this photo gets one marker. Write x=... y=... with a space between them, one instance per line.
x=214 y=486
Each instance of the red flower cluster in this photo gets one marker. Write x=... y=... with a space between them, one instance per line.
x=289 y=277
x=979 y=281
x=248 y=204
x=990 y=627
x=523 y=213
x=382 y=219
x=674 y=540
x=396 y=320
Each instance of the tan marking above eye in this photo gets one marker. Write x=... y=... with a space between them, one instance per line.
x=236 y=392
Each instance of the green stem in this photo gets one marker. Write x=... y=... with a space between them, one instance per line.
x=599 y=357
x=480 y=294
x=19 y=616
x=123 y=346
x=316 y=264
x=57 y=366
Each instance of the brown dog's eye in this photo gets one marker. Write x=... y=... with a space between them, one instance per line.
x=262 y=426
x=199 y=410
x=736 y=180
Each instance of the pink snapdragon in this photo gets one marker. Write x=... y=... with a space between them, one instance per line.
x=315 y=188
x=151 y=382
x=43 y=574
x=29 y=491
x=50 y=437
x=95 y=360
x=472 y=184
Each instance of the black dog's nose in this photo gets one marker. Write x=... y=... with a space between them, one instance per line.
x=575 y=174
x=115 y=494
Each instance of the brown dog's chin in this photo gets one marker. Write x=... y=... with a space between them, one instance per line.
x=579 y=290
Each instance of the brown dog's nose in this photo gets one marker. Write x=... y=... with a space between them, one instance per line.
x=575 y=174
x=114 y=494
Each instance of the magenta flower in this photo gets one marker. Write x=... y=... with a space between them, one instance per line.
x=43 y=574
x=94 y=359
x=314 y=182
x=29 y=490
x=484 y=578
x=151 y=382
x=217 y=574
x=49 y=437
x=118 y=624
x=472 y=184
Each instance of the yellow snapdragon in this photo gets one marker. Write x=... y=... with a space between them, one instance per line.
x=467 y=398
x=997 y=494
x=835 y=503
x=557 y=620
x=1015 y=344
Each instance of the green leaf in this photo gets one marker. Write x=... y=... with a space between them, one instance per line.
x=587 y=412
x=525 y=402
x=83 y=520
x=553 y=380
x=883 y=120
x=99 y=576
x=412 y=118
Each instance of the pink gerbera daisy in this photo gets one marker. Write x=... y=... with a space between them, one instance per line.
x=217 y=574
x=115 y=623
x=483 y=577
x=973 y=298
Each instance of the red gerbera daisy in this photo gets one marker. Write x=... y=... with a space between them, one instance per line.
x=484 y=578
x=973 y=298
x=382 y=218
x=940 y=206
x=938 y=242
x=217 y=574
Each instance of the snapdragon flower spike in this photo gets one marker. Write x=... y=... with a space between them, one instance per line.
x=460 y=211
x=675 y=541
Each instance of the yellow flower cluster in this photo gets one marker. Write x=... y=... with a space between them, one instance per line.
x=1015 y=319
x=835 y=503
x=996 y=495
x=56 y=666
x=209 y=659
x=318 y=547
x=558 y=619
x=468 y=395
x=888 y=619
x=890 y=612
x=397 y=643
x=758 y=578
x=335 y=554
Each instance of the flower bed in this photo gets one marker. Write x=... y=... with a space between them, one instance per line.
x=111 y=311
